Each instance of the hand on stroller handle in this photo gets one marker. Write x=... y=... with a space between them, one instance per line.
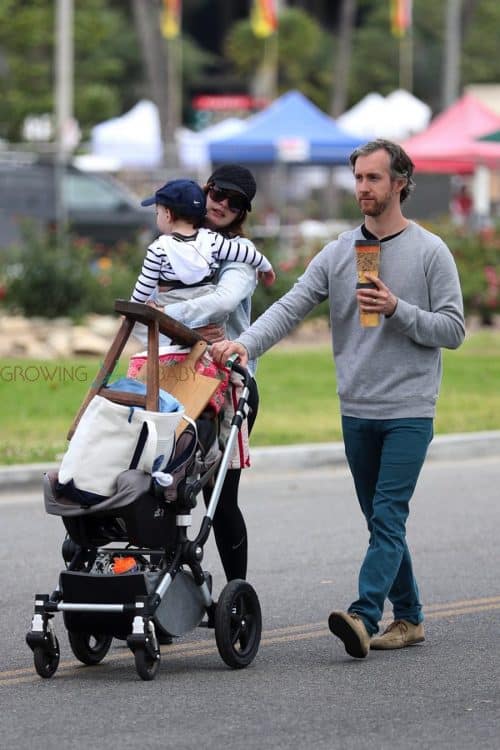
x=225 y=353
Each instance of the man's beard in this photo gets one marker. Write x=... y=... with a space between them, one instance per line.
x=375 y=207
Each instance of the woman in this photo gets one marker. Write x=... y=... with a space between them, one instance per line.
x=230 y=191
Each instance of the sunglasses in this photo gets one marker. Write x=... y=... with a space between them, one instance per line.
x=235 y=201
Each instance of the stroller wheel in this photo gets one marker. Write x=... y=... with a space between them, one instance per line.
x=238 y=624
x=69 y=549
x=89 y=648
x=146 y=663
x=46 y=662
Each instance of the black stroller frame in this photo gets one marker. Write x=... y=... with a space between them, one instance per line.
x=166 y=593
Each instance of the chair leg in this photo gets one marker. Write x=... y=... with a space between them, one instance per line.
x=107 y=368
x=153 y=372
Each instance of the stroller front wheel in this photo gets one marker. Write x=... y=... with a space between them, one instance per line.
x=88 y=648
x=146 y=663
x=238 y=624
x=46 y=661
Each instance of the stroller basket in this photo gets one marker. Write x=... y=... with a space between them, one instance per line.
x=182 y=608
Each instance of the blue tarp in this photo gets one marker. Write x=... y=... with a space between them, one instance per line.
x=293 y=130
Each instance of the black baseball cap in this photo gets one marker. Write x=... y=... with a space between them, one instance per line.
x=237 y=178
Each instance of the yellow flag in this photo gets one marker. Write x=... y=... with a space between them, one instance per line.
x=263 y=18
x=171 y=18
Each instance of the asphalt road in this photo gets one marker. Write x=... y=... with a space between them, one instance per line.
x=302 y=691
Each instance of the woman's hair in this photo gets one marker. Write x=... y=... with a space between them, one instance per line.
x=401 y=165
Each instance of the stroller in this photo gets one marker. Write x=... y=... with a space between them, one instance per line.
x=132 y=572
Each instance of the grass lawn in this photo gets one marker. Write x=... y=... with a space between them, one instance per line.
x=298 y=402
x=39 y=400
x=297 y=391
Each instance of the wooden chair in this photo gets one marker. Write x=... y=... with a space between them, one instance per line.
x=156 y=323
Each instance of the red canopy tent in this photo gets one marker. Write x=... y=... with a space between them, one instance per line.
x=450 y=145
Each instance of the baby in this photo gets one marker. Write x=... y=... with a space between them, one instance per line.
x=186 y=255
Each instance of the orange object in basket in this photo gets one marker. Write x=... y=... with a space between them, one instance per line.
x=123 y=564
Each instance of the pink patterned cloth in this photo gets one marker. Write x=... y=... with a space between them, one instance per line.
x=226 y=395
x=205 y=366
x=240 y=458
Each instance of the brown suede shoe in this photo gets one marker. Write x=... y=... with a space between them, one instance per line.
x=399 y=634
x=351 y=630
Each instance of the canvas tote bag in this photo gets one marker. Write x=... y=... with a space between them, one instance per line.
x=111 y=438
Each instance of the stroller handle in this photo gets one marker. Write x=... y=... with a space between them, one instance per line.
x=233 y=365
x=239 y=416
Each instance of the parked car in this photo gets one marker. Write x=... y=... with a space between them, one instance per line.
x=93 y=206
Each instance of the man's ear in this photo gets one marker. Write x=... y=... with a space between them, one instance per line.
x=400 y=183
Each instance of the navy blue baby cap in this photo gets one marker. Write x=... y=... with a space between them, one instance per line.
x=184 y=196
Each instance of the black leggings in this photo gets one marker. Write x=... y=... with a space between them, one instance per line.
x=229 y=525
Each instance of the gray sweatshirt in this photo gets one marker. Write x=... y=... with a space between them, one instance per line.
x=393 y=370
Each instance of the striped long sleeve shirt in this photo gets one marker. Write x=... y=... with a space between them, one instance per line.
x=192 y=259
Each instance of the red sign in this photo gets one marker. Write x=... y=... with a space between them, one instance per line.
x=228 y=101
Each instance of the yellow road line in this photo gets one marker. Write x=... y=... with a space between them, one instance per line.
x=269 y=637
x=464 y=603
x=461 y=611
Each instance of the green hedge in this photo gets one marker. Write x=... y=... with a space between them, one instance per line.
x=478 y=260
x=44 y=278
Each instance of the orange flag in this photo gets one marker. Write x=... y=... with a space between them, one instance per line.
x=401 y=16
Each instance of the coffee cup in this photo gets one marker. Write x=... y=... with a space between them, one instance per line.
x=367 y=261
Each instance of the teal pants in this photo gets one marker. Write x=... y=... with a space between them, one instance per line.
x=385 y=457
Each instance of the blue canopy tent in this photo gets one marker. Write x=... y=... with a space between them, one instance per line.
x=291 y=130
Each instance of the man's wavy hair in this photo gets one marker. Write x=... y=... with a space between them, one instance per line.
x=401 y=165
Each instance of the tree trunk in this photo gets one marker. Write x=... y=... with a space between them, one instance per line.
x=343 y=58
x=452 y=52
x=153 y=51
x=468 y=13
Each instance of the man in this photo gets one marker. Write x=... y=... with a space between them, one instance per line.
x=388 y=377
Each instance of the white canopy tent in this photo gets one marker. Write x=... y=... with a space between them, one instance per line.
x=365 y=117
x=395 y=117
x=192 y=146
x=132 y=140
